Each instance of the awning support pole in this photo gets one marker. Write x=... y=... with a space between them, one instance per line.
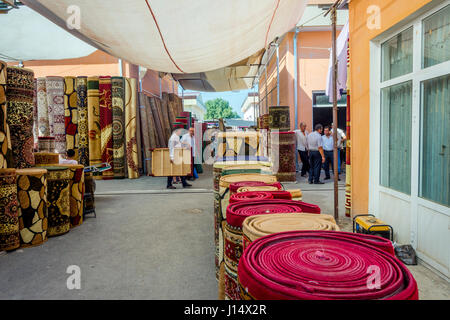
x=335 y=114
x=278 y=78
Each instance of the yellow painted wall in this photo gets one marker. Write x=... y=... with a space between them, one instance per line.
x=391 y=12
x=313 y=56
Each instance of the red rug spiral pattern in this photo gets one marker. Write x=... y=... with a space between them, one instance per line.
x=237 y=212
x=236 y=185
x=316 y=265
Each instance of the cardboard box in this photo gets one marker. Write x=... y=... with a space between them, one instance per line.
x=162 y=167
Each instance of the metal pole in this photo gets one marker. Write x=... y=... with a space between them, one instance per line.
x=267 y=107
x=120 y=68
x=278 y=78
x=335 y=113
x=295 y=79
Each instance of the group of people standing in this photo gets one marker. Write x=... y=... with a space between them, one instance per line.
x=316 y=151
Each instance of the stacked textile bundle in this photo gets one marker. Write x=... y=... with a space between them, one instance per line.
x=315 y=265
x=282 y=143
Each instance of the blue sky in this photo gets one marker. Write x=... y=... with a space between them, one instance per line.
x=234 y=98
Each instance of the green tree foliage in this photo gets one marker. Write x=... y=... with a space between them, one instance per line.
x=219 y=108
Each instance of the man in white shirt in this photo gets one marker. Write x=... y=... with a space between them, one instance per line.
x=341 y=140
x=316 y=155
x=302 y=147
x=187 y=141
x=328 y=148
x=174 y=142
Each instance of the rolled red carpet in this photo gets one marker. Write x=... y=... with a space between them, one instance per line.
x=250 y=196
x=236 y=185
x=237 y=212
x=316 y=265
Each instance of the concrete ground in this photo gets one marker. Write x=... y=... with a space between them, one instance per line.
x=148 y=243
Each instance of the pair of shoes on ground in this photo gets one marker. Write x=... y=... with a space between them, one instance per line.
x=185 y=186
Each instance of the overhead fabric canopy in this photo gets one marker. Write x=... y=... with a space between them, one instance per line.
x=26 y=35
x=185 y=37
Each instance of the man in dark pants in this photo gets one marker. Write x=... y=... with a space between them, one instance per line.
x=302 y=147
x=328 y=147
x=174 y=142
x=316 y=155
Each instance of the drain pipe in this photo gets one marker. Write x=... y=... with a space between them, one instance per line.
x=295 y=79
x=296 y=93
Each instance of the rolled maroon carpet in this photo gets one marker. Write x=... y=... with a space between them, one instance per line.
x=237 y=212
x=264 y=195
x=250 y=196
x=236 y=185
x=317 y=265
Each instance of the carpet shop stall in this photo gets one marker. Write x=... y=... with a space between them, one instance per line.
x=270 y=244
x=102 y=119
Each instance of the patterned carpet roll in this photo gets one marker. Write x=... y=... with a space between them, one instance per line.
x=265 y=121
x=316 y=265
x=71 y=113
x=279 y=118
x=95 y=156
x=83 y=127
x=106 y=121
x=56 y=116
x=76 y=193
x=283 y=150
x=35 y=115
x=145 y=133
x=221 y=202
x=257 y=226
x=9 y=220
x=89 y=199
x=42 y=105
x=118 y=113
x=32 y=195
x=6 y=157
x=58 y=197
x=46 y=158
x=19 y=102
x=46 y=144
x=130 y=128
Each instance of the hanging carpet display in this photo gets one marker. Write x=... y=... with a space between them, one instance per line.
x=56 y=116
x=118 y=125
x=106 y=120
x=58 y=197
x=83 y=126
x=19 y=102
x=5 y=139
x=283 y=154
x=93 y=101
x=130 y=128
x=42 y=106
x=9 y=220
x=71 y=113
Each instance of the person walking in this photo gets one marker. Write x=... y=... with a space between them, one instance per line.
x=341 y=140
x=328 y=150
x=316 y=155
x=302 y=147
x=187 y=141
x=174 y=142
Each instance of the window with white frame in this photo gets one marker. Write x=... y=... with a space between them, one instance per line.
x=403 y=75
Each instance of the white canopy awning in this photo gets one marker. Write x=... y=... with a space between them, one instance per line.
x=26 y=35
x=179 y=36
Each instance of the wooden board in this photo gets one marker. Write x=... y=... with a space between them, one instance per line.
x=162 y=167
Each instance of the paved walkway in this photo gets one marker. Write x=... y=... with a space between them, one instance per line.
x=147 y=242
